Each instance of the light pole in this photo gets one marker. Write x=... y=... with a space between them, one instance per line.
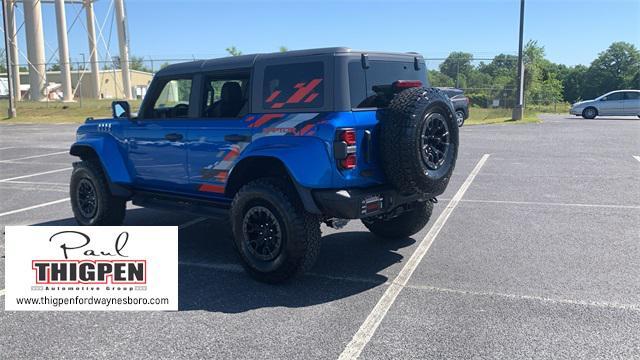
x=12 y=107
x=518 y=110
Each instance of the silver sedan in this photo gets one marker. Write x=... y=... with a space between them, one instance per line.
x=615 y=103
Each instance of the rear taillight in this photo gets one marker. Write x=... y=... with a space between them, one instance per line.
x=348 y=136
x=349 y=162
x=344 y=148
x=406 y=84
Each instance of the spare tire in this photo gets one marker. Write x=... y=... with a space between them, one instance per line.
x=419 y=141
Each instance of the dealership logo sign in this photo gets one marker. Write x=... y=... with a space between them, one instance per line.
x=91 y=268
x=66 y=271
x=90 y=272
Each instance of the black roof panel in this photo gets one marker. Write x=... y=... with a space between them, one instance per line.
x=247 y=61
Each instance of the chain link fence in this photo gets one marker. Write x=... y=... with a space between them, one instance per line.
x=487 y=94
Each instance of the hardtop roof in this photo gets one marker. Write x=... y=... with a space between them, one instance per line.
x=247 y=61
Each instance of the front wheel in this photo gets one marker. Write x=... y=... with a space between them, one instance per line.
x=589 y=113
x=91 y=200
x=276 y=238
x=406 y=224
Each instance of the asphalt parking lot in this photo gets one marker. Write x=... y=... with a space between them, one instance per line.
x=536 y=255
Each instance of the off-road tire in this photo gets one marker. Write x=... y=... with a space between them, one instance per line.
x=590 y=113
x=109 y=210
x=300 y=230
x=401 y=131
x=404 y=225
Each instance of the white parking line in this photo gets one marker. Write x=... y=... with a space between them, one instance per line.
x=235 y=268
x=191 y=223
x=34 y=156
x=601 y=304
x=34 y=207
x=232 y=268
x=2 y=291
x=36 y=174
x=9 y=147
x=636 y=157
x=551 y=204
x=370 y=325
x=35 y=183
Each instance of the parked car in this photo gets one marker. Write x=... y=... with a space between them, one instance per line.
x=460 y=103
x=614 y=103
x=279 y=143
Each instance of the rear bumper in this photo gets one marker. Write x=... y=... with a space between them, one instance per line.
x=359 y=203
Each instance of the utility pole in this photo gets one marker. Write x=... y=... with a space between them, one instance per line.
x=123 y=40
x=518 y=110
x=35 y=49
x=94 y=87
x=63 y=51
x=12 y=106
x=13 y=49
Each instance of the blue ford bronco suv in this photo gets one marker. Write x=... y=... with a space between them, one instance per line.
x=279 y=143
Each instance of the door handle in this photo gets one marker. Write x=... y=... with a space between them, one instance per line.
x=237 y=138
x=173 y=137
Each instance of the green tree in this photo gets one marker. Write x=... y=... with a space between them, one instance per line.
x=54 y=67
x=438 y=79
x=137 y=63
x=457 y=65
x=283 y=49
x=573 y=83
x=478 y=79
x=233 y=51
x=501 y=65
x=541 y=84
x=613 y=69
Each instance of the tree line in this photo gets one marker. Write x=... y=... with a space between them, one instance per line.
x=617 y=67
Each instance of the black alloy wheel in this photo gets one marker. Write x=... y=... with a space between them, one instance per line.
x=262 y=233
x=87 y=198
x=435 y=141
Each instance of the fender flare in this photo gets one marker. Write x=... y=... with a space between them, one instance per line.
x=116 y=171
x=293 y=160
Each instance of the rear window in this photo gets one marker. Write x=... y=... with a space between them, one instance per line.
x=632 y=95
x=362 y=81
x=297 y=86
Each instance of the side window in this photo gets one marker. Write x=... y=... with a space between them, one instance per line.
x=225 y=97
x=173 y=101
x=293 y=86
x=632 y=95
x=614 y=96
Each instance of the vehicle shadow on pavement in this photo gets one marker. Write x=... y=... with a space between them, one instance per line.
x=211 y=277
x=348 y=264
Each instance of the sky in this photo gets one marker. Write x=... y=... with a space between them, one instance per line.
x=571 y=31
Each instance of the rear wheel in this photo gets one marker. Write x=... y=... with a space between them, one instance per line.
x=275 y=237
x=589 y=113
x=460 y=117
x=91 y=200
x=402 y=226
